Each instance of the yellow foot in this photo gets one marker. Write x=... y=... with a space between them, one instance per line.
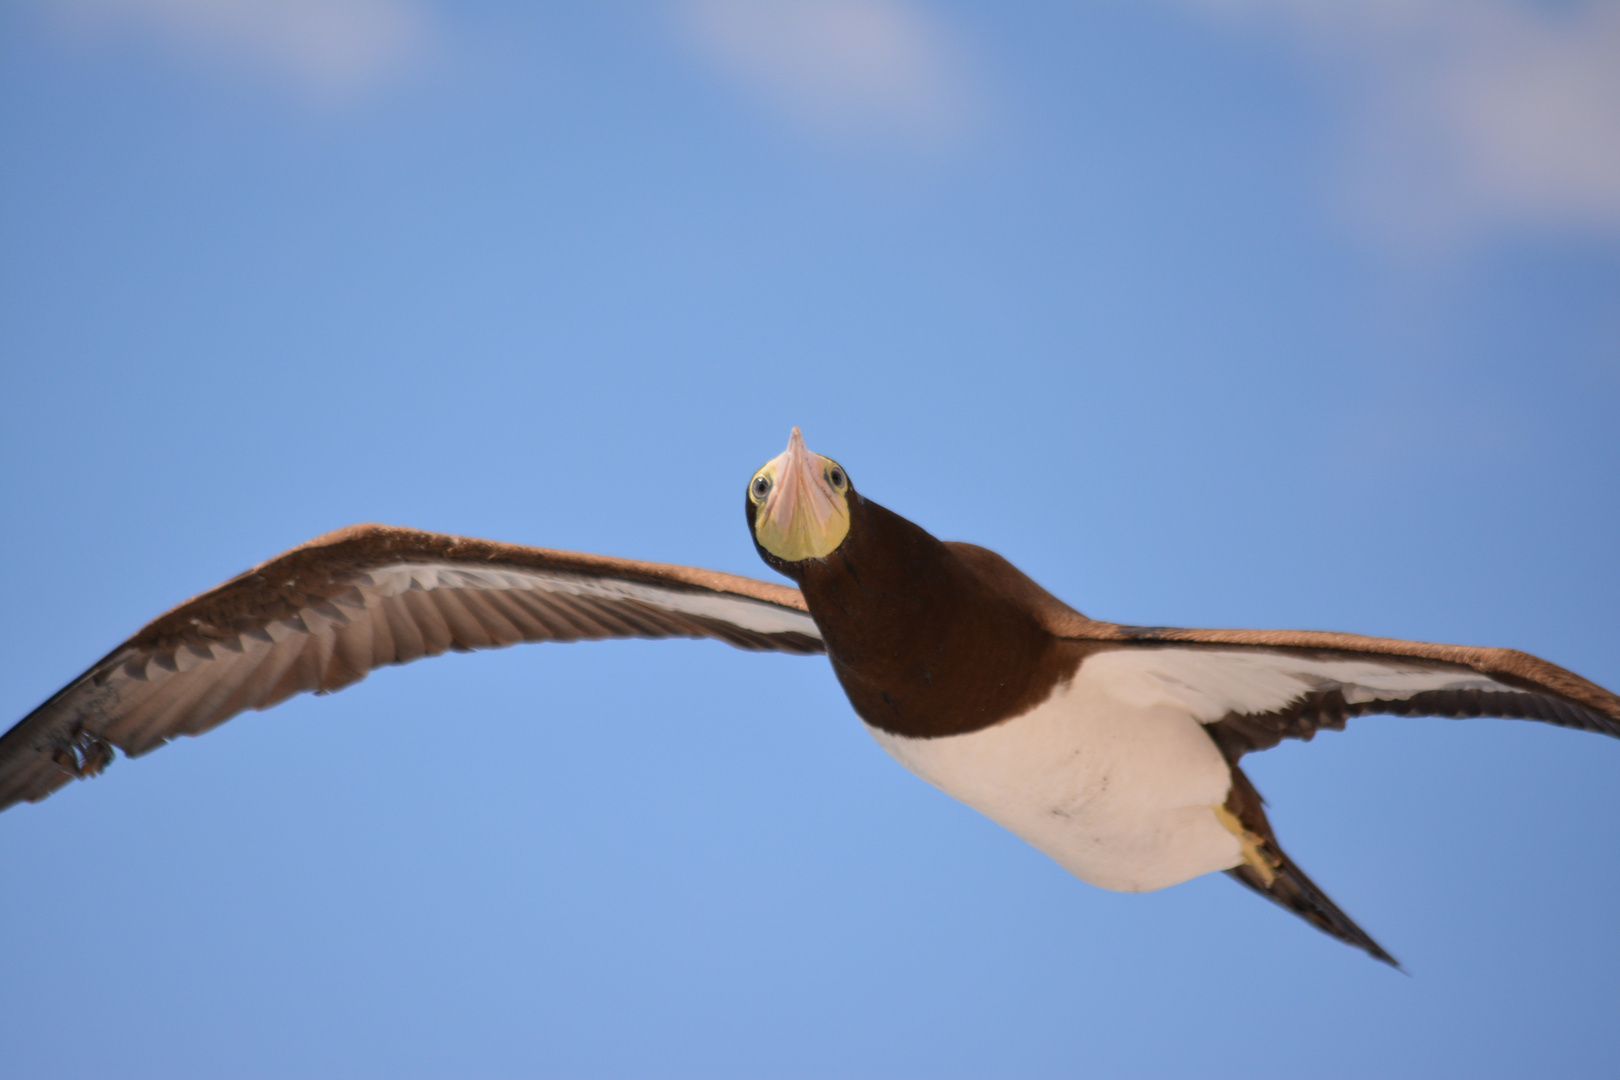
x=1254 y=852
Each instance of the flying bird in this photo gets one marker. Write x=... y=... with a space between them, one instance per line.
x=1114 y=749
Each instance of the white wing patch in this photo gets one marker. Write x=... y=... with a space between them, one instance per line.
x=1209 y=682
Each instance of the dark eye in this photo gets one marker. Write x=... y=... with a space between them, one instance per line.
x=760 y=488
x=835 y=477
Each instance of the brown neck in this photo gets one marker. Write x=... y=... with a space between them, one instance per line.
x=927 y=638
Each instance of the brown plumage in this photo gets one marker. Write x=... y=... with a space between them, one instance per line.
x=935 y=639
x=315 y=618
x=972 y=638
x=934 y=643
x=929 y=639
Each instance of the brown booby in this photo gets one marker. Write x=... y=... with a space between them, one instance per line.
x=1113 y=749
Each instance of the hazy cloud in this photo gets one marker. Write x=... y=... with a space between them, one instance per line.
x=332 y=49
x=1466 y=116
x=843 y=67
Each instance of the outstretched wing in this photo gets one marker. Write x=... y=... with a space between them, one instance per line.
x=1254 y=688
x=322 y=615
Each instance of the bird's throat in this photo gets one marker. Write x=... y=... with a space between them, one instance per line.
x=923 y=643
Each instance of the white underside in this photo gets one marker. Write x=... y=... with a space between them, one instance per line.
x=1114 y=776
x=1121 y=795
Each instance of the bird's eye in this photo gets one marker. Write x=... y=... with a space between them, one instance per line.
x=759 y=488
x=835 y=477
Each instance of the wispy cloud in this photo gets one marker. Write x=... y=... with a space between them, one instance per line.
x=1466 y=117
x=330 y=49
x=841 y=67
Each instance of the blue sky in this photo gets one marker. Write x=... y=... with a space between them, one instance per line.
x=1242 y=313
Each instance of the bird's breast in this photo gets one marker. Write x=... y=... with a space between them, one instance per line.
x=1120 y=795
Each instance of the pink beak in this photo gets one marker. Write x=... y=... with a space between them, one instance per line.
x=800 y=502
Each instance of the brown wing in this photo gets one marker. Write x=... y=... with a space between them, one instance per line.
x=1254 y=688
x=322 y=615
x=1257 y=687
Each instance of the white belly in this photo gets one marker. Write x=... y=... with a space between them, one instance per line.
x=1121 y=795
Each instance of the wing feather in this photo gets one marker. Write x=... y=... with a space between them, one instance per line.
x=1254 y=688
x=549 y=624
x=352 y=655
x=497 y=628
x=323 y=615
x=424 y=614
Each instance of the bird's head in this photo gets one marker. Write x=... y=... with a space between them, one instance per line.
x=798 y=506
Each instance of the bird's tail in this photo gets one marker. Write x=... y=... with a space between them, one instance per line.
x=1274 y=875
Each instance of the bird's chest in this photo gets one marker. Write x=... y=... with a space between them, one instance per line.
x=932 y=662
x=1121 y=796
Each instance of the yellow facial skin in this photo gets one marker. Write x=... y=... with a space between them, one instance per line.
x=801 y=503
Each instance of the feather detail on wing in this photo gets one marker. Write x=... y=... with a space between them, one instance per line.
x=1254 y=688
x=322 y=615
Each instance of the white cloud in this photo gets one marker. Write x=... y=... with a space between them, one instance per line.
x=332 y=49
x=843 y=67
x=1467 y=117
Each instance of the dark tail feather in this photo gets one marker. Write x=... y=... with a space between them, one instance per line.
x=1289 y=887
